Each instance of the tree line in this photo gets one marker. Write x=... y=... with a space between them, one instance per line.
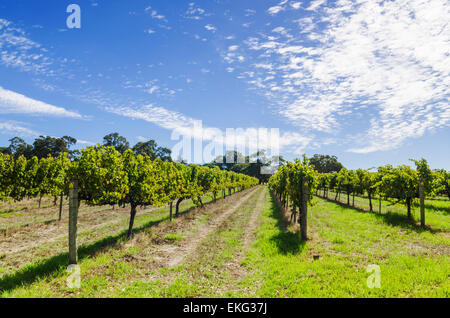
x=45 y=146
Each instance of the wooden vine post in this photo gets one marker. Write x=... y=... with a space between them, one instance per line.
x=422 y=203
x=60 y=206
x=73 y=215
x=304 y=210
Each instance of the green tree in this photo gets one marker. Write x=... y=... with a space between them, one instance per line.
x=45 y=146
x=151 y=149
x=118 y=142
x=18 y=147
x=325 y=163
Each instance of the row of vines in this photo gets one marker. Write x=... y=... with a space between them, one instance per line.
x=296 y=183
x=104 y=176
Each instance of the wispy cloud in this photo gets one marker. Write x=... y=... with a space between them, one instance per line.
x=278 y=8
x=194 y=12
x=296 y=5
x=383 y=65
x=15 y=103
x=154 y=14
x=316 y=4
x=275 y=9
x=18 y=51
x=16 y=129
x=211 y=28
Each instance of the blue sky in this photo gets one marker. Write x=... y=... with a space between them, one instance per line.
x=367 y=81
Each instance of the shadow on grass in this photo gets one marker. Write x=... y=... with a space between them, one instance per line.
x=391 y=218
x=288 y=242
x=430 y=206
x=56 y=265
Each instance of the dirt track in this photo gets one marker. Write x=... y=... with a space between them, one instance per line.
x=176 y=256
x=162 y=254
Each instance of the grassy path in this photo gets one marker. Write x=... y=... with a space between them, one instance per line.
x=437 y=212
x=412 y=262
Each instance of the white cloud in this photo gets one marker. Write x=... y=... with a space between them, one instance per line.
x=154 y=14
x=18 y=51
x=264 y=66
x=316 y=4
x=141 y=139
x=249 y=12
x=296 y=5
x=11 y=102
x=278 y=8
x=158 y=115
x=233 y=48
x=14 y=128
x=195 y=13
x=383 y=65
x=85 y=142
x=211 y=28
x=153 y=89
x=275 y=9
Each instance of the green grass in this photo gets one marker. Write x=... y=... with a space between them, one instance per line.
x=437 y=212
x=173 y=237
x=413 y=263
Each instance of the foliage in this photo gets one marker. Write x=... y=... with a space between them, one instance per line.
x=120 y=143
x=325 y=163
x=101 y=175
x=289 y=178
x=441 y=182
x=151 y=149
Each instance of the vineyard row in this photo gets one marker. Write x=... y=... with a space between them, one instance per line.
x=297 y=182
